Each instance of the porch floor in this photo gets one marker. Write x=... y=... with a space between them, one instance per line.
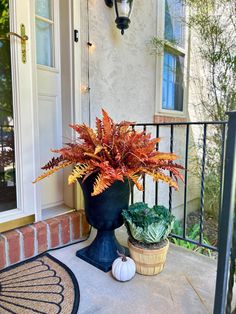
x=186 y=285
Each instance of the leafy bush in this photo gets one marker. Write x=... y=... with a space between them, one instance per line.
x=148 y=225
x=212 y=193
x=193 y=234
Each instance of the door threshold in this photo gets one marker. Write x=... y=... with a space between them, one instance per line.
x=55 y=211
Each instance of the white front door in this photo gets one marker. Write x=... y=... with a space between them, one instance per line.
x=47 y=21
x=17 y=155
x=45 y=101
x=55 y=46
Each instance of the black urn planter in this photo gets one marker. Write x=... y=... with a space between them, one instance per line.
x=103 y=212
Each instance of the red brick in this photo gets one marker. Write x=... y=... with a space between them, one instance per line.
x=65 y=228
x=85 y=225
x=13 y=239
x=2 y=253
x=168 y=119
x=54 y=231
x=28 y=237
x=41 y=231
x=75 y=220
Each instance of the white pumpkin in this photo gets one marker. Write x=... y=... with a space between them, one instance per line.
x=123 y=268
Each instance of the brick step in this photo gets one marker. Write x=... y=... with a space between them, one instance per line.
x=25 y=242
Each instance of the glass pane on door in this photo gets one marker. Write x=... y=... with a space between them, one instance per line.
x=7 y=152
x=44 y=24
x=44 y=43
x=43 y=8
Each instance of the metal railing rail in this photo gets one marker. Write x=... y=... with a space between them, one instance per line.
x=186 y=126
x=227 y=230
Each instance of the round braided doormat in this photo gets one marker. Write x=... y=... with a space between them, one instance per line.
x=40 y=285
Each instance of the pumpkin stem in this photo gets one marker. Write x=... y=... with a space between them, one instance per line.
x=123 y=257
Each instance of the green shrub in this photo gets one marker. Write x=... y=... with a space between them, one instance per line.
x=193 y=234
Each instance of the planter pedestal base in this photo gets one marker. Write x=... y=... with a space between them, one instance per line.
x=102 y=251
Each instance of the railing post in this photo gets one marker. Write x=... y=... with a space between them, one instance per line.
x=226 y=220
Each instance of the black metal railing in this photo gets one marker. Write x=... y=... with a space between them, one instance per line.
x=7 y=168
x=227 y=231
x=226 y=246
x=7 y=154
x=200 y=143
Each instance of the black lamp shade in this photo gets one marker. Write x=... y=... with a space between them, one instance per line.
x=123 y=10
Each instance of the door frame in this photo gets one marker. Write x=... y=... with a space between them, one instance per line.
x=77 y=58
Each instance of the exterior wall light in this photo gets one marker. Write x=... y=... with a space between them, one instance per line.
x=123 y=10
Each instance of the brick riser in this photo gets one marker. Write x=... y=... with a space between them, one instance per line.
x=22 y=243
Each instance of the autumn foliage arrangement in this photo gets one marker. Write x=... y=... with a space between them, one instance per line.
x=113 y=151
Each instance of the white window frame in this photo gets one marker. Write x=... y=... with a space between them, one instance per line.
x=160 y=33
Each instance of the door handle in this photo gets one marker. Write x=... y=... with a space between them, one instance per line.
x=23 y=37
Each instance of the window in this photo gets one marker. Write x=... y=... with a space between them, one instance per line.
x=172 y=85
x=173 y=58
x=44 y=32
x=174 y=23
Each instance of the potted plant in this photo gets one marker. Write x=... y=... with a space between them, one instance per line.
x=148 y=229
x=107 y=160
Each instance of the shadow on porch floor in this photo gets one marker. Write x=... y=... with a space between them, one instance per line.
x=186 y=285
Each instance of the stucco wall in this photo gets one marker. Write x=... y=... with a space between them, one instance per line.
x=122 y=71
x=122 y=80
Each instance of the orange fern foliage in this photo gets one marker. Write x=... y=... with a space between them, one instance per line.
x=114 y=151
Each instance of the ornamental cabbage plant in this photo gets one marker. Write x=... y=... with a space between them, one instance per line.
x=148 y=225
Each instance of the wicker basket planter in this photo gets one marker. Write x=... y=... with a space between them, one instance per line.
x=148 y=261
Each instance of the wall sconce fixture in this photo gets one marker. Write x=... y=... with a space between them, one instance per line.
x=123 y=10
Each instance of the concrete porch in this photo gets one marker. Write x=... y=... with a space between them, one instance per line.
x=187 y=284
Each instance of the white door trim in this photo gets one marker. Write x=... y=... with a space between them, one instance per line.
x=76 y=68
x=77 y=87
